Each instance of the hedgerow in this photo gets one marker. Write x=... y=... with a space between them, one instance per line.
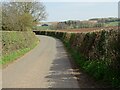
x=97 y=53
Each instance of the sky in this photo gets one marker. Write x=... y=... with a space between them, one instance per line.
x=61 y=11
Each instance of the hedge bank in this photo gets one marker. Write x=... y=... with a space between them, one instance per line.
x=98 y=53
x=15 y=44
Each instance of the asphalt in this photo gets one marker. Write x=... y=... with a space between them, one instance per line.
x=46 y=66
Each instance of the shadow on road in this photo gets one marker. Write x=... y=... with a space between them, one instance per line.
x=65 y=74
x=61 y=73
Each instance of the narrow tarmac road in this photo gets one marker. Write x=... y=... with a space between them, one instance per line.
x=46 y=66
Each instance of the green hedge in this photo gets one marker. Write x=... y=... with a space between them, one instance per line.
x=15 y=44
x=98 y=53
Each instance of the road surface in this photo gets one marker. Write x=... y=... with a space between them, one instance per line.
x=46 y=66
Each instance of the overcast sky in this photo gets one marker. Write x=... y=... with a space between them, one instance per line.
x=60 y=11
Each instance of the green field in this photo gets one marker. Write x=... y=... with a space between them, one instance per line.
x=41 y=28
x=111 y=24
x=107 y=24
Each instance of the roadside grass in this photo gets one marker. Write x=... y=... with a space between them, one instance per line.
x=16 y=44
x=97 y=69
x=5 y=60
x=103 y=64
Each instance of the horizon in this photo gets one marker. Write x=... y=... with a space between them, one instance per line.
x=79 y=20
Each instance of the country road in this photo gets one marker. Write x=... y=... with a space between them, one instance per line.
x=46 y=66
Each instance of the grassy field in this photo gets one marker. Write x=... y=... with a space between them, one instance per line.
x=16 y=44
x=111 y=24
x=107 y=24
x=41 y=28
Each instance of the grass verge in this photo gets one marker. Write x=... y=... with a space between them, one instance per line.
x=96 y=69
x=5 y=60
x=16 y=44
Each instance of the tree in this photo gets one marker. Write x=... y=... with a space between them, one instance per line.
x=21 y=15
x=0 y=28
